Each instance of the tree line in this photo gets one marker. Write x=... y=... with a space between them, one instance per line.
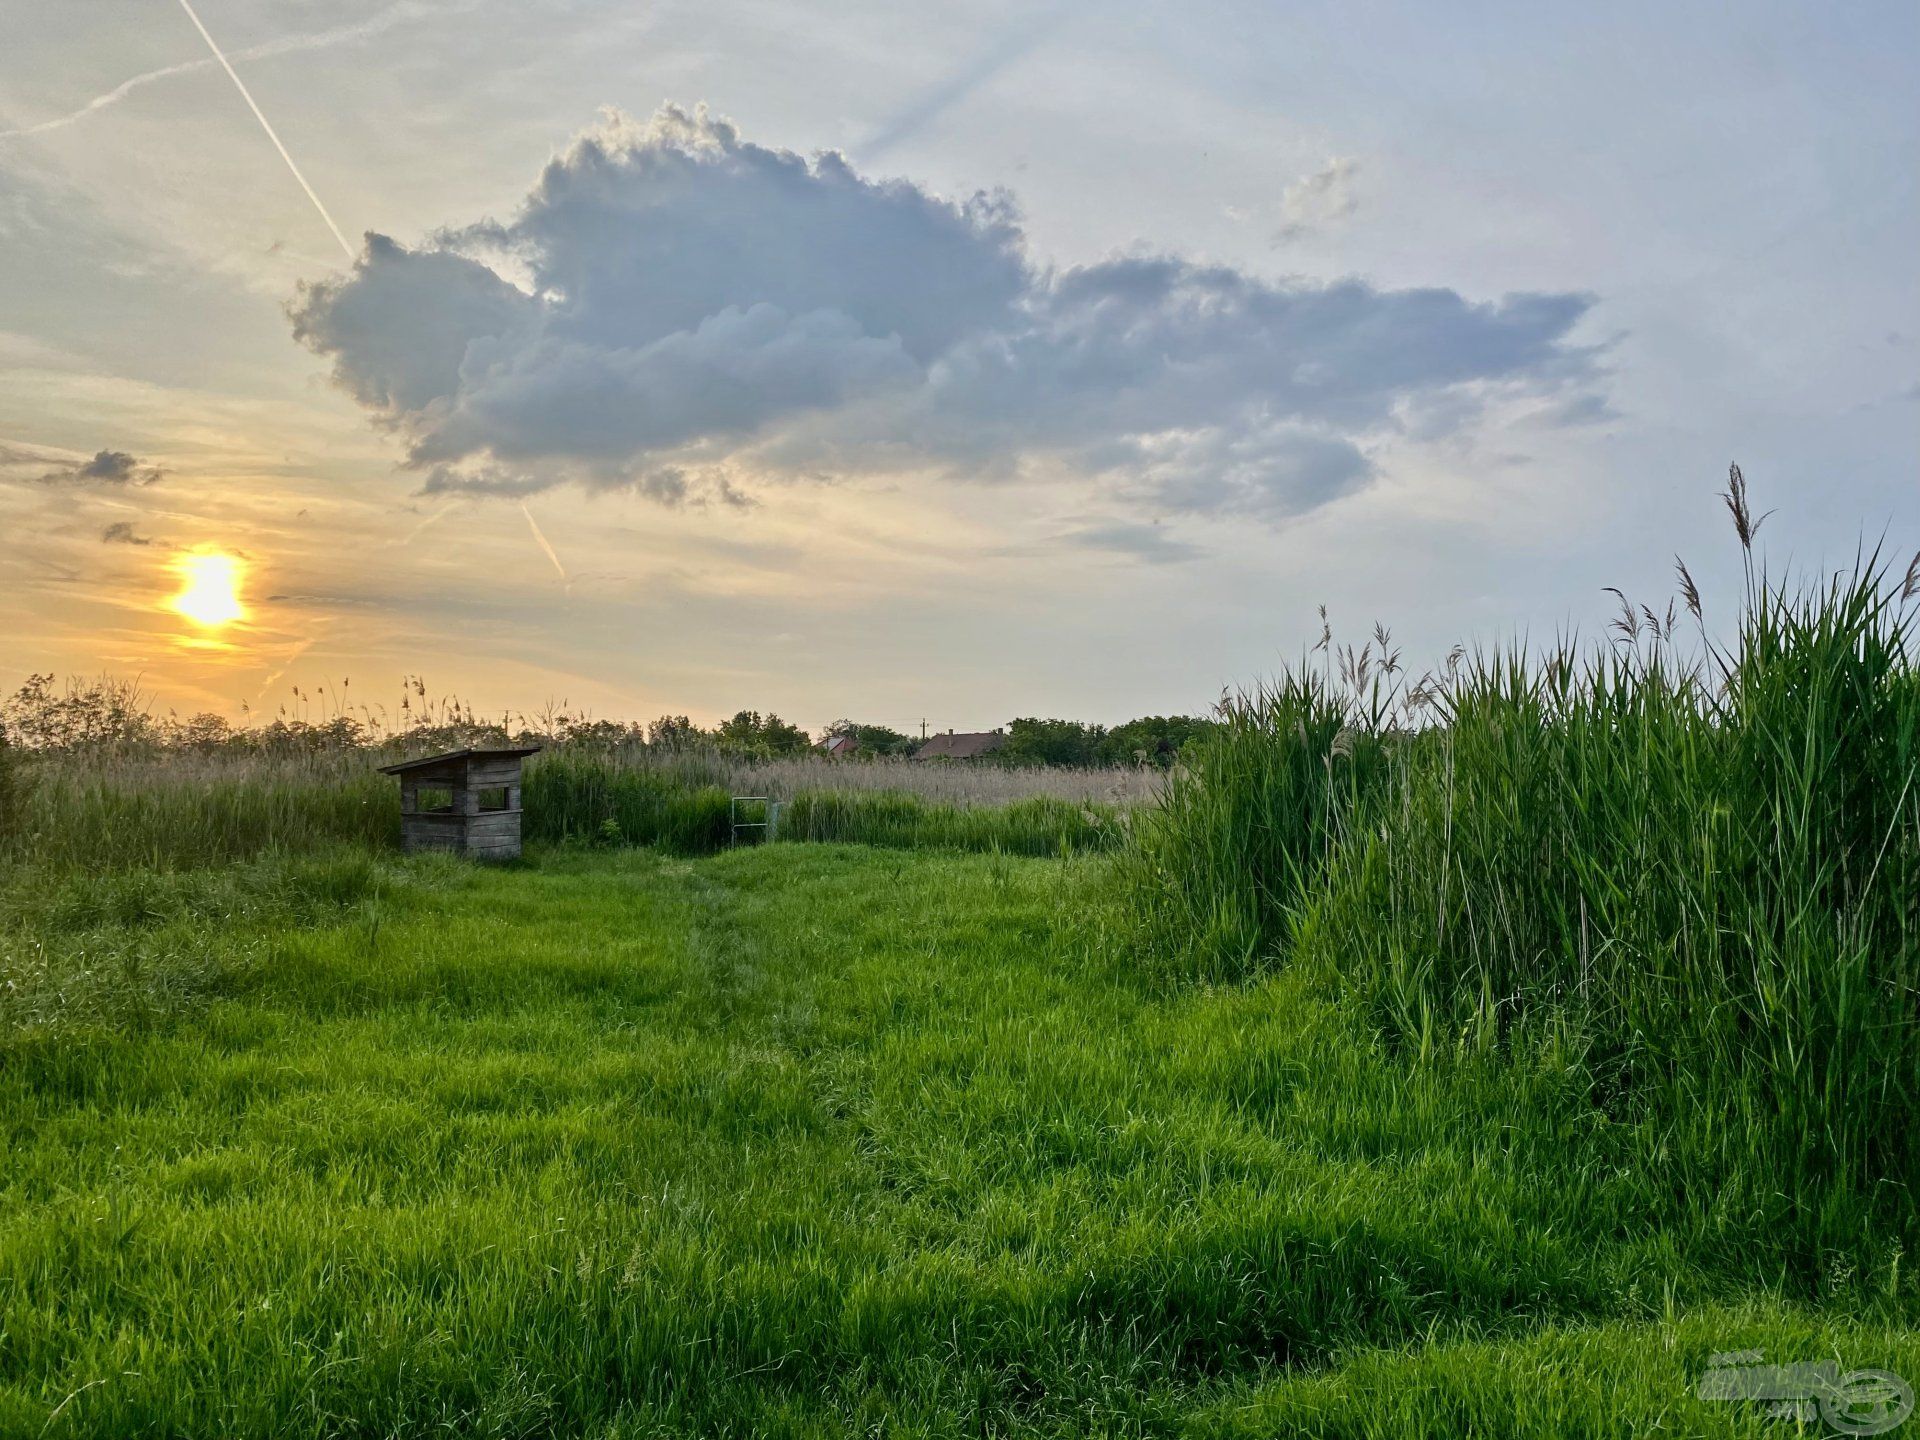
x=110 y=713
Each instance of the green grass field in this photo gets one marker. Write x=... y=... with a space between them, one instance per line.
x=812 y=1139
x=1480 y=1055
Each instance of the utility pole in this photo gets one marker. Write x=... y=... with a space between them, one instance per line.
x=923 y=727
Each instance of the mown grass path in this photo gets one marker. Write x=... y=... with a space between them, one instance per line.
x=823 y=1140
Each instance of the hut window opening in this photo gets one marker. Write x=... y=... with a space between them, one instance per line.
x=433 y=799
x=492 y=797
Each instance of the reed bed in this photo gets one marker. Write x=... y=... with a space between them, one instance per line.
x=103 y=810
x=1040 y=825
x=682 y=802
x=960 y=785
x=1694 y=882
x=107 y=808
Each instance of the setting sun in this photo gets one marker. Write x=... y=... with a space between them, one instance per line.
x=209 y=589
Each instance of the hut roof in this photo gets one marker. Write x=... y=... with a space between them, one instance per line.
x=517 y=753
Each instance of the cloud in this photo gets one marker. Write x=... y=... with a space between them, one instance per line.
x=1271 y=474
x=962 y=83
x=286 y=45
x=107 y=467
x=121 y=533
x=1313 y=202
x=1133 y=540
x=1587 y=409
x=677 y=310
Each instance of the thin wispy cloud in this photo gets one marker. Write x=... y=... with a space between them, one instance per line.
x=266 y=49
x=915 y=117
x=1316 y=201
x=432 y=519
x=319 y=625
x=1133 y=540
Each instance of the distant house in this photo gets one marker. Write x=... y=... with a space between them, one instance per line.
x=838 y=747
x=952 y=746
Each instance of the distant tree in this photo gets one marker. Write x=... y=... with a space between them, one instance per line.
x=781 y=738
x=343 y=732
x=750 y=733
x=674 y=732
x=86 y=713
x=1051 y=742
x=205 y=732
x=1156 y=740
x=872 y=739
x=601 y=734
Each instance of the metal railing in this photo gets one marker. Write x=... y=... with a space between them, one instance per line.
x=769 y=823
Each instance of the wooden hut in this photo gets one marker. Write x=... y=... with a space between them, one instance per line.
x=467 y=801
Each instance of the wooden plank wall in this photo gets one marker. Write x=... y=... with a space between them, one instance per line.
x=467 y=829
x=495 y=836
x=433 y=832
x=482 y=773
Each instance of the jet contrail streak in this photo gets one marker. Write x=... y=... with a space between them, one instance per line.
x=434 y=519
x=247 y=96
x=534 y=526
x=292 y=655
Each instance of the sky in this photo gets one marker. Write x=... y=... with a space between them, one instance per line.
x=926 y=363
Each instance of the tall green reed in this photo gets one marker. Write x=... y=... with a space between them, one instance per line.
x=595 y=797
x=1697 y=880
x=1042 y=825
x=101 y=811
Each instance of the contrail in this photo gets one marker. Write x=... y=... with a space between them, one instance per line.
x=247 y=96
x=534 y=526
x=101 y=102
x=292 y=655
x=267 y=49
x=434 y=519
x=961 y=83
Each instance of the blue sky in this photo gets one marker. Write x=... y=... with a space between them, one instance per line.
x=1121 y=338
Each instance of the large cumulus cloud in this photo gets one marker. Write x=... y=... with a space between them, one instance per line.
x=676 y=306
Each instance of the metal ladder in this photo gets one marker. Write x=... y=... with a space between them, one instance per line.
x=769 y=809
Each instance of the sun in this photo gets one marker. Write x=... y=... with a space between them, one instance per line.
x=209 y=589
